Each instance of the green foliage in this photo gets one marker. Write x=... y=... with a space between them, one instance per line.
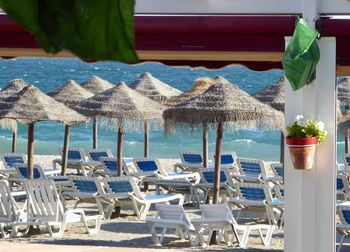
x=92 y=30
x=306 y=130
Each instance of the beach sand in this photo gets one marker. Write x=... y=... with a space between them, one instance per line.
x=126 y=231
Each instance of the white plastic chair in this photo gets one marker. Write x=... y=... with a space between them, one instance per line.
x=45 y=208
x=206 y=183
x=169 y=216
x=146 y=200
x=11 y=215
x=277 y=170
x=110 y=167
x=10 y=159
x=218 y=217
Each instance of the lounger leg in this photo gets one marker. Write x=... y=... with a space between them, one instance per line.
x=245 y=236
x=226 y=237
x=199 y=235
x=154 y=234
x=144 y=211
x=95 y=219
x=341 y=243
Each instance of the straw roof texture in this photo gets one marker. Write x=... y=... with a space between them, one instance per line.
x=199 y=87
x=96 y=85
x=273 y=95
x=223 y=102
x=344 y=91
x=121 y=103
x=70 y=93
x=12 y=87
x=154 y=88
x=31 y=105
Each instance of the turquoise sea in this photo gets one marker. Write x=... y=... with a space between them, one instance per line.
x=49 y=73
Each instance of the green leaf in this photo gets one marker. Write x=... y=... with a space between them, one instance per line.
x=92 y=30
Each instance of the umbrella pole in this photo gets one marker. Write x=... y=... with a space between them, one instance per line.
x=217 y=162
x=65 y=149
x=347 y=140
x=205 y=144
x=146 y=143
x=217 y=172
x=30 y=150
x=282 y=148
x=14 y=140
x=119 y=150
x=94 y=133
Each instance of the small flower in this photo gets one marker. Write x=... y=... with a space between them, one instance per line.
x=320 y=125
x=306 y=128
x=300 y=120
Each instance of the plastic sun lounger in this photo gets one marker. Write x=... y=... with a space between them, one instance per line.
x=169 y=217
x=11 y=215
x=218 y=217
x=146 y=200
x=250 y=170
x=114 y=192
x=45 y=208
x=84 y=189
x=75 y=157
x=190 y=161
x=259 y=196
x=207 y=182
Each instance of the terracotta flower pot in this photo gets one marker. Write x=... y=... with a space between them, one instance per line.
x=302 y=151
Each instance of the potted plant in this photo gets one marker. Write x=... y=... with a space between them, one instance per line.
x=302 y=137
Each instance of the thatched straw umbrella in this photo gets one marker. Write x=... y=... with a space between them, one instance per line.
x=69 y=94
x=119 y=106
x=344 y=92
x=96 y=85
x=11 y=88
x=274 y=96
x=223 y=102
x=30 y=105
x=200 y=86
x=156 y=90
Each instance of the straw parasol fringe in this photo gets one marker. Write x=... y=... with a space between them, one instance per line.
x=223 y=102
x=31 y=105
x=155 y=90
x=96 y=85
x=121 y=105
x=12 y=87
x=69 y=94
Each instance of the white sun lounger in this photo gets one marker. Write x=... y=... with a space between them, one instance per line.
x=45 y=208
x=169 y=217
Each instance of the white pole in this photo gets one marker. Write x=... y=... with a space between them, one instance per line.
x=310 y=194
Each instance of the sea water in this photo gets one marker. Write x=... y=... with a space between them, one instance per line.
x=50 y=73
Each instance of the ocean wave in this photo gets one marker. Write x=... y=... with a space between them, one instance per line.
x=96 y=68
x=244 y=140
x=341 y=142
x=131 y=142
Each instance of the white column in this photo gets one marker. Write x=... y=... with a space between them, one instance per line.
x=310 y=194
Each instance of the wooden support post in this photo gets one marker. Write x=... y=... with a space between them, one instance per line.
x=94 y=133
x=14 y=140
x=30 y=150
x=217 y=162
x=205 y=144
x=65 y=149
x=146 y=143
x=282 y=148
x=347 y=141
x=119 y=150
